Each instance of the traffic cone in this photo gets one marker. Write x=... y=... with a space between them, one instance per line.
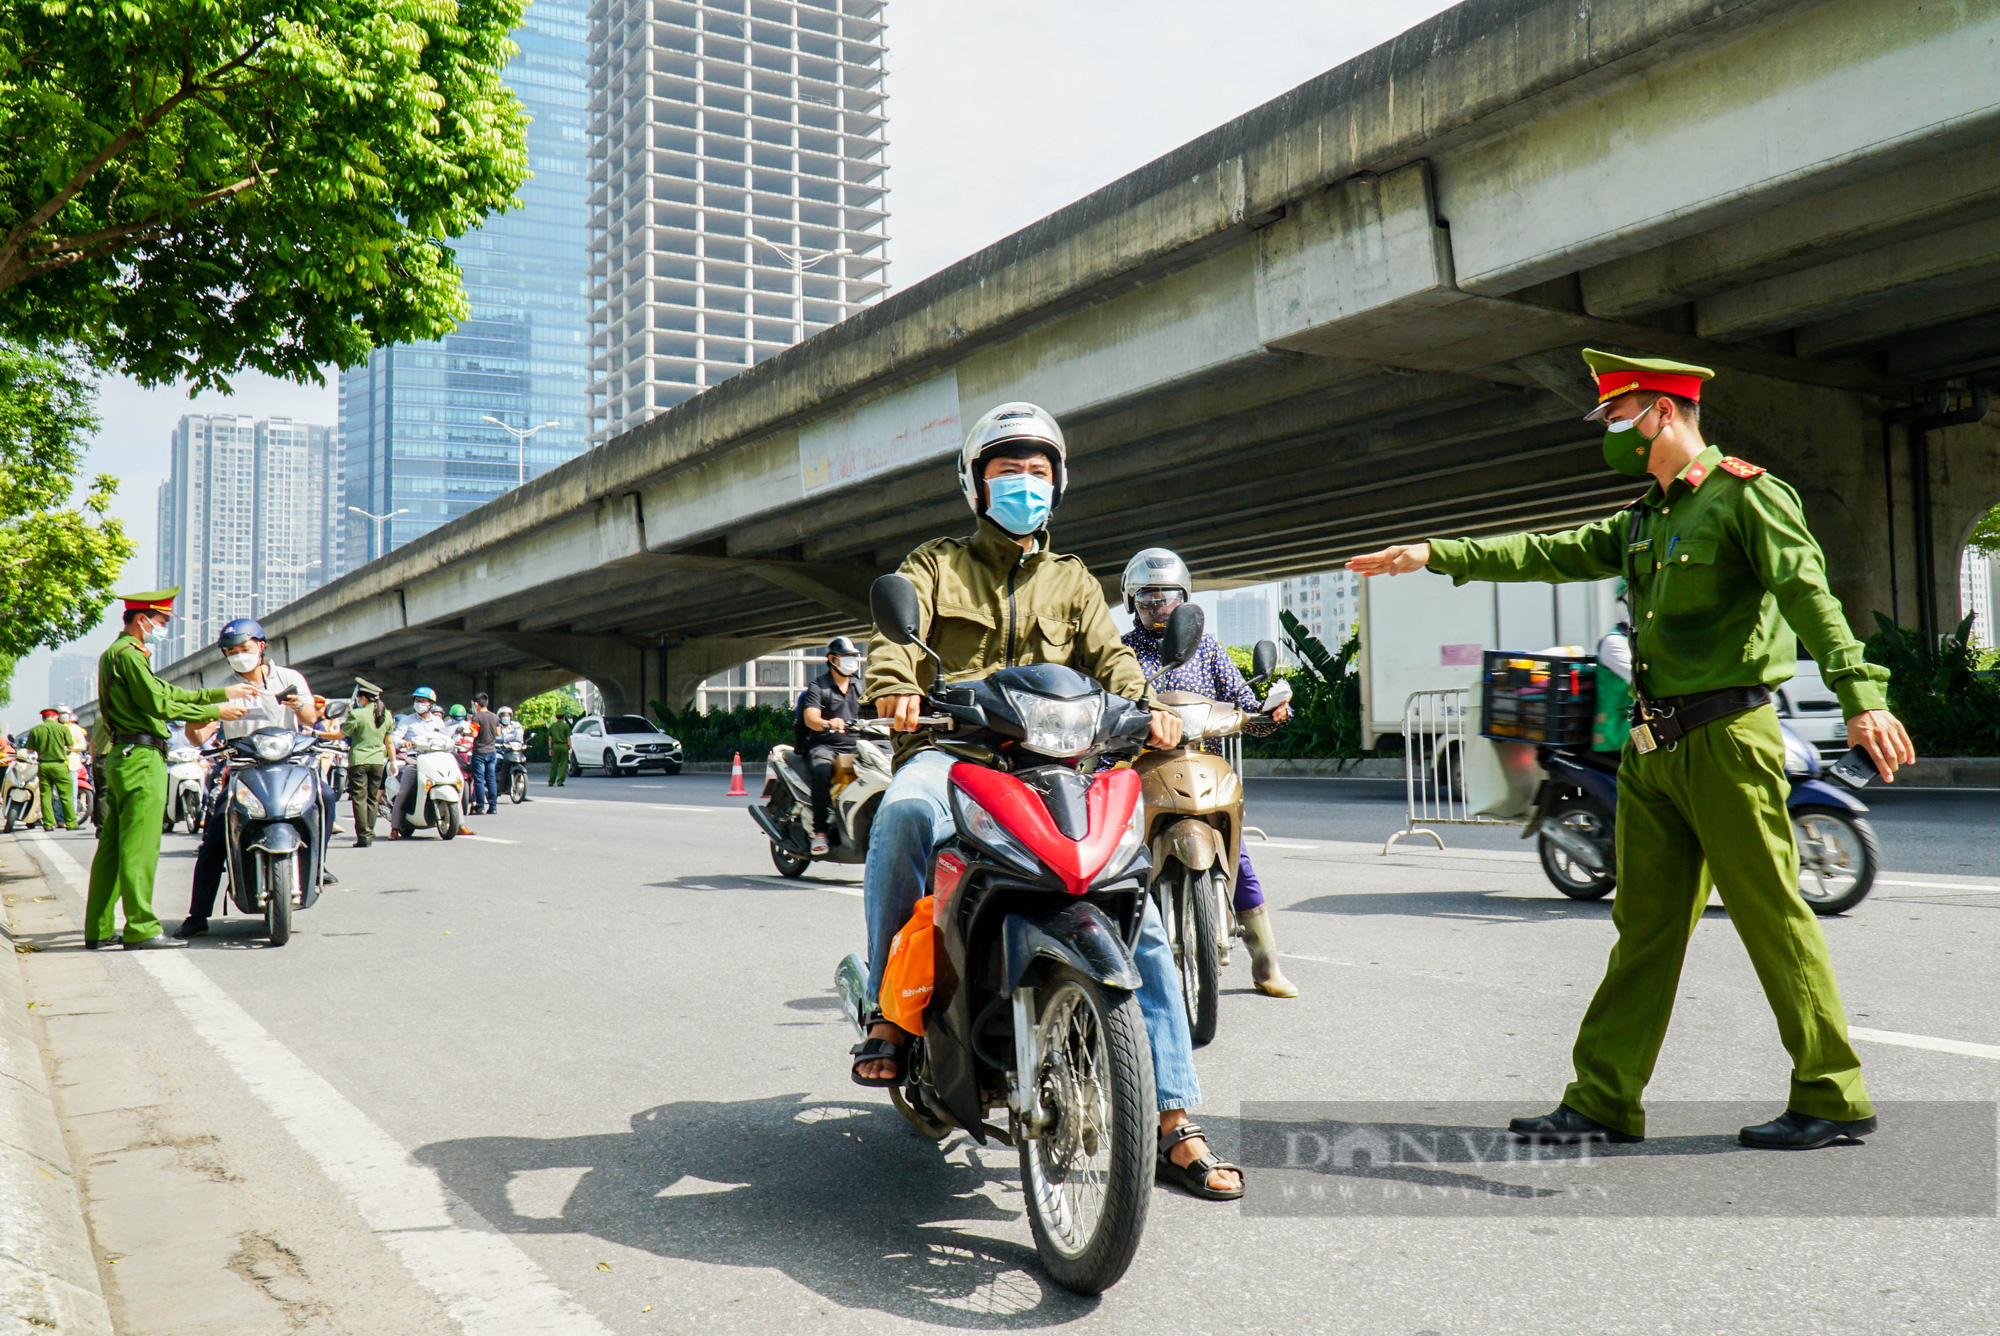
x=736 y=789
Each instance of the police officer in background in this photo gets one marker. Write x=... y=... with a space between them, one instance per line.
x=1721 y=573
x=822 y=728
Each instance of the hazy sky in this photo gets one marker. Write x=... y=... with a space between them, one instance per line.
x=998 y=115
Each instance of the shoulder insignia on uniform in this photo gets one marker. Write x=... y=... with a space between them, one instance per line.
x=1731 y=464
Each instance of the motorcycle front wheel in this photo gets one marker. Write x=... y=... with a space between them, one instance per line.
x=1196 y=936
x=1583 y=817
x=517 y=786
x=1088 y=1177
x=1838 y=856
x=281 y=881
x=445 y=818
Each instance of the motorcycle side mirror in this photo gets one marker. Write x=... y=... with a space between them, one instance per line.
x=1181 y=639
x=896 y=609
x=337 y=709
x=1264 y=660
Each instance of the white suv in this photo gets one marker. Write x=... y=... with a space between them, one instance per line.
x=1810 y=709
x=622 y=744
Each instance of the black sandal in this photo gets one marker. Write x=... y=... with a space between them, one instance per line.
x=1192 y=1178
x=873 y=1049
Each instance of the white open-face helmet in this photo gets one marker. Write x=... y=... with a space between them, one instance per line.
x=1154 y=568
x=1013 y=422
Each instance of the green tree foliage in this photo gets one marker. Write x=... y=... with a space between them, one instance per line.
x=718 y=735
x=1985 y=538
x=1950 y=708
x=190 y=187
x=536 y=713
x=57 y=561
x=1326 y=698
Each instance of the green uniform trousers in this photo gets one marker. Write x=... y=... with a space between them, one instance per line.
x=55 y=795
x=1712 y=808
x=559 y=765
x=128 y=846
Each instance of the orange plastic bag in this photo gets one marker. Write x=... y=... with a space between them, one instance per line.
x=912 y=970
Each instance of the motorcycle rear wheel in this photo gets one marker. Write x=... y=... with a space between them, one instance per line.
x=787 y=862
x=1088 y=1178
x=1564 y=872
x=1838 y=857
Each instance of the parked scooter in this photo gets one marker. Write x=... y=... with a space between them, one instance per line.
x=440 y=802
x=19 y=798
x=86 y=801
x=1038 y=900
x=512 y=776
x=276 y=831
x=186 y=780
x=1194 y=830
x=859 y=777
x=1575 y=825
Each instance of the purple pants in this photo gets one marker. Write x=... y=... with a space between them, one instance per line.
x=1249 y=891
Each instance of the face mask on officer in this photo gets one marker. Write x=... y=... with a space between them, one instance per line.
x=1627 y=448
x=155 y=631
x=244 y=658
x=847 y=665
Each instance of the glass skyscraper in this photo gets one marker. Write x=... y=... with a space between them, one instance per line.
x=413 y=433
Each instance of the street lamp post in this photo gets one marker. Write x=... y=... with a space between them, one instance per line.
x=382 y=525
x=797 y=262
x=520 y=435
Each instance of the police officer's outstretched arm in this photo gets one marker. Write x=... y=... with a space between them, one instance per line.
x=1789 y=563
x=1592 y=552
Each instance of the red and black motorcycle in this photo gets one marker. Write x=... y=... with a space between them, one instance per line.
x=1037 y=902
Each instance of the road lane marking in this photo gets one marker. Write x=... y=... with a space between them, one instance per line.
x=1284 y=844
x=1941 y=886
x=1958 y=1046
x=485 y=839
x=487 y=1284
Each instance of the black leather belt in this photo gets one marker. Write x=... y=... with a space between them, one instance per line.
x=1662 y=721
x=139 y=740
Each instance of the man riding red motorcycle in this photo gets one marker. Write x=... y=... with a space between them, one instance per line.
x=997 y=600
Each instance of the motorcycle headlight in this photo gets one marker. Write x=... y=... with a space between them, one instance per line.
x=271 y=746
x=1194 y=719
x=1055 y=727
x=984 y=829
x=247 y=803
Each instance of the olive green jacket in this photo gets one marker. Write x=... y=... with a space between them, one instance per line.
x=988 y=605
x=132 y=700
x=1722 y=571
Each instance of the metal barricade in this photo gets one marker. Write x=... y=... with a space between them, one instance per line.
x=1232 y=752
x=1437 y=726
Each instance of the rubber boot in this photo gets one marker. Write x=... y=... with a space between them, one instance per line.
x=1265 y=971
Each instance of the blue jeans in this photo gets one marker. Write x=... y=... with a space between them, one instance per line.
x=485 y=792
x=913 y=819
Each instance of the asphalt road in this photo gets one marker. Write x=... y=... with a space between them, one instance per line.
x=606 y=1027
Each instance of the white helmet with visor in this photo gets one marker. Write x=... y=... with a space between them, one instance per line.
x=1160 y=581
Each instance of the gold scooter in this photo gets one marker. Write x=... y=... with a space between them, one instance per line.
x=1194 y=831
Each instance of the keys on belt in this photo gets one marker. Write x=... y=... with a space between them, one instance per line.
x=1664 y=721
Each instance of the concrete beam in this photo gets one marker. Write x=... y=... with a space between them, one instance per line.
x=1960 y=185
x=692 y=662
x=616 y=666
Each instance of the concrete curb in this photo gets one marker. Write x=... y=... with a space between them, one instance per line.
x=48 y=1270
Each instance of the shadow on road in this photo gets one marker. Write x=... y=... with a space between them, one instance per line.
x=770 y=881
x=842 y=1198
x=1496 y=906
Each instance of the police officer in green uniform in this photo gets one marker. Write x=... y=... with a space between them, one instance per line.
x=1722 y=572
x=559 y=731
x=137 y=710
x=50 y=740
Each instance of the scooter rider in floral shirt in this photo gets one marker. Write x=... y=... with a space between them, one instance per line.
x=1155 y=583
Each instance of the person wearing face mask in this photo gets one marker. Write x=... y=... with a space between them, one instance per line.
x=1155 y=583
x=995 y=599
x=1723 y=578
x=137 y=711
x=822 y=728
x=427 y=721
x=283 y=700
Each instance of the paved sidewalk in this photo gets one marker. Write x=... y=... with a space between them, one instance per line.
x=178 y=1244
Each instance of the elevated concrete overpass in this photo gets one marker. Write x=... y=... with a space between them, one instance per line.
x=1349 y=317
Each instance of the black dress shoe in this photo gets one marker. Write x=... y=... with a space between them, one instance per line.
x=1800 y=1131
x=1566 y=1127
x=191 y=927
x=327 y=877
x=160 y=943
x=93 y=943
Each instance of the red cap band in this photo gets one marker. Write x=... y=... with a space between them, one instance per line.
x=1614 y=383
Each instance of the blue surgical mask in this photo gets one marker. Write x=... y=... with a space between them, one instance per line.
x=156 y=634
x=1019 y=502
